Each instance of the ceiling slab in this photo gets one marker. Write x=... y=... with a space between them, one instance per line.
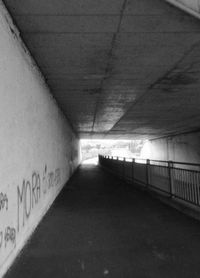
x=67 y=24
x=63 y=7
x=117 y=68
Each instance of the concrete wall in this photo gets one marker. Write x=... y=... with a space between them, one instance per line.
x=190 y=6
x=38 y=150
x=183 y=148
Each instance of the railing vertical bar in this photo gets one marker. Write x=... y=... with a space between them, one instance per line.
x=191 y=187
x=195 y=188
x=178 y=182
x=198 y=189
x=181 y=182
x=147 y=172
x=118 y=172
x=184 y=185
x=193 y=195
x=188 y=188
x=133 y=169
x=170 y=177
x=174 y=180
x=124 y=173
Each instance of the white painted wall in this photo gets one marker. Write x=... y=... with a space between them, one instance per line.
x=38 y=150
x=183 y=148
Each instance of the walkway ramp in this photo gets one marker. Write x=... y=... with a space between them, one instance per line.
x=101 y=227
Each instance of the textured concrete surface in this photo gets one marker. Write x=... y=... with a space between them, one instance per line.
x=183 y=148
x=39 y=150
x=98 y=227
x=190 y=6
x=114 y=66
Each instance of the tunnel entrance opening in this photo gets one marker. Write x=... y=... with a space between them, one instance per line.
x=90 y=149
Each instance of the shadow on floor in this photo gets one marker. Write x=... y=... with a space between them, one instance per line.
x=100 y=227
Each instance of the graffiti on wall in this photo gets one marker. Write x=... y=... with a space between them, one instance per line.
x=50 y=179
x=8 y=236
x=29 y=194
x=3 y=202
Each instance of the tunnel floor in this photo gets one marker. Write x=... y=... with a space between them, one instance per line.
x=100 y=227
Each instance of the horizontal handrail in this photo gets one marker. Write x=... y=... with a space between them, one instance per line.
x=176 y=182
x=154 y=160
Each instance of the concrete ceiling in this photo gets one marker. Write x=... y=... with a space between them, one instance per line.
x=117 y=68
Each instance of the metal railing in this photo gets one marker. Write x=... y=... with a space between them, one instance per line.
x=174 y=179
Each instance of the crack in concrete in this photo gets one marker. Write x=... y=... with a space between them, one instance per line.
x=110 y=56
x=158 y=81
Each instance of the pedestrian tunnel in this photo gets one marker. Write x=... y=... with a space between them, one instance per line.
x=102 y=226
x=106 y=70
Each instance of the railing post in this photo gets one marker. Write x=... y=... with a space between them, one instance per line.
x=117 y=172
x=124 y=161
x=111 y=164
x=133 y=174
x=147 y=172
x=170 y=172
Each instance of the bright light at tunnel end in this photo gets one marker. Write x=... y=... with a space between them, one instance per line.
x=91 y=148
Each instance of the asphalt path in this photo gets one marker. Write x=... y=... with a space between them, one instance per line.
x=101 y=227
